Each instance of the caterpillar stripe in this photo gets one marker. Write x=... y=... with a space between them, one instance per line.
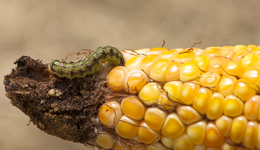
x=89 y=64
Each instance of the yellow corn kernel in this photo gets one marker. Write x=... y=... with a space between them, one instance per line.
x=154 y=118
x=105 y=140
x=135 y=80
x=248 y=60
x=133 y=108
x=134 y=62
x=148 y=62
x=251 y=47
x=233 y=68
x=251 y=108
x=167 y=142
x=196 y=132
x=239 y=47
x=224 y=123
x=170 y=55
x=238 y=129
x=159 y=69
x=213 y=136
x=198 y=51
x=116 y=78
x=150 y=93
x=173 y=72
x=216 y=65
x=182 y=143
x=156 y=146
x=147 y=135
x=216 y=106
x=233 y=106
x=243 y=90
x=165 y=103
x=127 y=127
x=239 y=55
x=226 y=85
x=255 y=51
x=110 y=113
x=201 y=61
x=188 y=92
x=157 y=50
x=173 y=90
x=227 y=51
x=258 y=137
x=121 y=146
x=173 y=127
x=250 y=135
x=188 y=115
x=252 y=75
x=210 y=80
x=183 y=57
x=201 y=100
x=189 y=71
x=212 y=52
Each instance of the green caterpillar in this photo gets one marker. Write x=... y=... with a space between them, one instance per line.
x=89 y=64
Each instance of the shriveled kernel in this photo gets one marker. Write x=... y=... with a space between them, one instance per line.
x=210 y=80
x=154 y=118
x=196 y=132
x=156 y=146
x=173 y=126
x=105 y=140
x=173 y=72
x=157 y=50
x=182 y=143
x=133 y=108
x=159 y=70
x=233 y=106
x=251 y=108
x=238 y=129
x=201 y=100
x=147 y=135
x=150 y=93
x=189 y=71
x=250 y=135
x=201 y=61
x=226 y=85
x=148 y=62
x=216 y=106
x=213 y=136
x=134 y=62
x=188 y=115
x=127 y=127
x=116 y=78
x=110 y=113
x=135 y=81
x=243 y=90
x=224 y=123
x=173 y=90
x=188 y=92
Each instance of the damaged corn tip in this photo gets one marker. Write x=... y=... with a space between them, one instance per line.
x=185 y=99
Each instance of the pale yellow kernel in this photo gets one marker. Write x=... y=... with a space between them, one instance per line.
x=210 y=80
x=251 y=108
x=233 y=106
x=134 y=62
x=250 y=135
x=133 y=108
x=226 y=85
x=147 y=135
x=188 y=114
x=127 y=127
x=239 y=47
x=148 y=62
x=173 y=126
x=196 y=132
x=213 y=136
x=233 y=68
x=189 y=71
x=238 y=129
x=154 y=118
x=216 y=64
x=201 y=61
x=248 y=60
x=116 y=78
x=105 y=140
x=173 y=90
x=188 y=92
x=150 y=93
x=216 y=106
x=173 y=72
x=227 y=146
x=182 y=143
x=128 y=54
x=184 y=57
x=224 y=123
x=156 y=146
x=240 y=54
x=200 y=147
x=252 y=75
x=167 y=142
x=243 y=90
x=170 y=55
x=110 y=113
x=157 y=50
x=212 y=52
x=201 y=100
x=142 y=51
x=227 y=51
x=159 y=70
x=135 y=81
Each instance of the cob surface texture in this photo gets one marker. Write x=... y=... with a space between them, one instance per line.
x=184 y=99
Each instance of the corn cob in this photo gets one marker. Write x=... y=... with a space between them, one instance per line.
x=185 y=99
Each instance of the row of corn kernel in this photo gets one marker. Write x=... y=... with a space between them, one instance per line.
x=132 y=120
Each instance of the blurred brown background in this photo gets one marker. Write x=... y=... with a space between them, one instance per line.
x=52 y=29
